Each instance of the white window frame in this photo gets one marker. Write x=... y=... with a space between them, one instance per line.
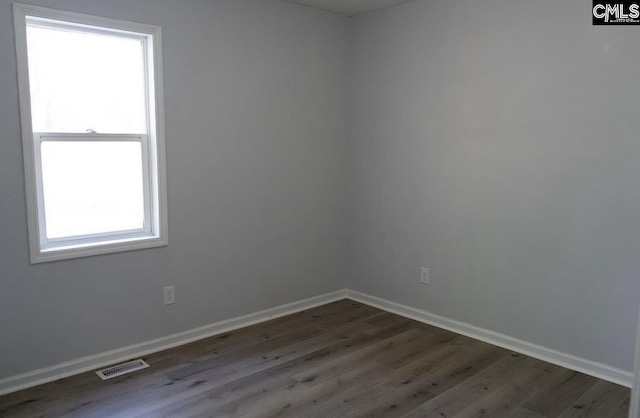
x=154 y=231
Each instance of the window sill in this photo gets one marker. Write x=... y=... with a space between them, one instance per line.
x=103 y=247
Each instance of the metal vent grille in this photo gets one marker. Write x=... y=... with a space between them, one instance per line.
x=121 y=369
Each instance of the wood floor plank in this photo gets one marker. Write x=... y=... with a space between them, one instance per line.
x=561 y=396
x=298 y=398
x=473 y=388
x=332 y=368
x=415 y=348
x=514 y=392
x=601 y=400
x=321 y=400
x=415 y=384
x=522 y=412
x=341 y=360
x=269 y=379
x=622 y=411
x=353 y=365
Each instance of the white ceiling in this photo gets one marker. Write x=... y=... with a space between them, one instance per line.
x=350 y=7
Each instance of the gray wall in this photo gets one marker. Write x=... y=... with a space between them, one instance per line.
x=256 y=118
x=497 y=142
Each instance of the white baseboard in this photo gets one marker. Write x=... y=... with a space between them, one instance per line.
x=592 y=368
x=85 y=364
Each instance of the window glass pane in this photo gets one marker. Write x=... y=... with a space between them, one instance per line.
x=92 y=187
x=82 y=81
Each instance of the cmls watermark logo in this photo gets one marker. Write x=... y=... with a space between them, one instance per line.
x=619 y=13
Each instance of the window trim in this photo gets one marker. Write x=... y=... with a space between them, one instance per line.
x=156 y=233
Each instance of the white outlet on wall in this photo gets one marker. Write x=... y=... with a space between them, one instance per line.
x=424 y=275
x=169 y=295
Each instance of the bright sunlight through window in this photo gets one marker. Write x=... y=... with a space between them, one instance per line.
x=92 y=133
x=82 y=81
x=107 y=198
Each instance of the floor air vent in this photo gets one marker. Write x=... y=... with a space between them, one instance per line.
x=121 y=369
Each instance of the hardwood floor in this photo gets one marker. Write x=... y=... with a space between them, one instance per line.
x=344 y=359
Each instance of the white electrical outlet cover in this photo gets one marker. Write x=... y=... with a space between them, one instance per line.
x=424 y=275
x=169 y=295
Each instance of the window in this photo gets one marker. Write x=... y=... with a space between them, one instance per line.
x=92 y=124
